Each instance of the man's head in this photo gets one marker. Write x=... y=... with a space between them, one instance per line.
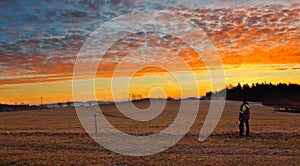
x=244 y=100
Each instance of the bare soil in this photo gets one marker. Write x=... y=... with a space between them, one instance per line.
x=56 y=137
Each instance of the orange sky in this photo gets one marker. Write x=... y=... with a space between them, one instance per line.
x=256 y=44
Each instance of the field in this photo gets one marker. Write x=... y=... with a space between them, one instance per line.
x=56 y=137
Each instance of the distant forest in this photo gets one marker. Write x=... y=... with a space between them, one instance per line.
x=280 y=95
x=16 y=107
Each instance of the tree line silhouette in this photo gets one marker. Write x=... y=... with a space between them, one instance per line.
x=17 y=107
x=280 y=95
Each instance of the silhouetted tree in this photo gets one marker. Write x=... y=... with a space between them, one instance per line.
x=269 y=94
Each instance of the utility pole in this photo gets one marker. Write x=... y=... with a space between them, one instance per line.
x=41 y=101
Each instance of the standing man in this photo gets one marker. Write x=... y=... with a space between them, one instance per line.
x=244 y=117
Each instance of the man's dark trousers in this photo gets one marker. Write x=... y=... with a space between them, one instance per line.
x=242 y=127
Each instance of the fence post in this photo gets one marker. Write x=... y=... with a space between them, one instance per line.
x=95 y=122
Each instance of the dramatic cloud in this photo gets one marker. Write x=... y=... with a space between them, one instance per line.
x=39 y=41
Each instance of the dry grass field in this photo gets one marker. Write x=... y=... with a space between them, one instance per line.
x=56 y=137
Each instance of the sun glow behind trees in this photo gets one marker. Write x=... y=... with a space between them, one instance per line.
x=256 y=42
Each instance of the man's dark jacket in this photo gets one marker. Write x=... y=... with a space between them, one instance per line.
x=244 y=111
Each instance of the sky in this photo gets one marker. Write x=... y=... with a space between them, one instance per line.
x=40 y=41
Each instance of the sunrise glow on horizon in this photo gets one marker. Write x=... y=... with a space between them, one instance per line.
x=39 y=43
